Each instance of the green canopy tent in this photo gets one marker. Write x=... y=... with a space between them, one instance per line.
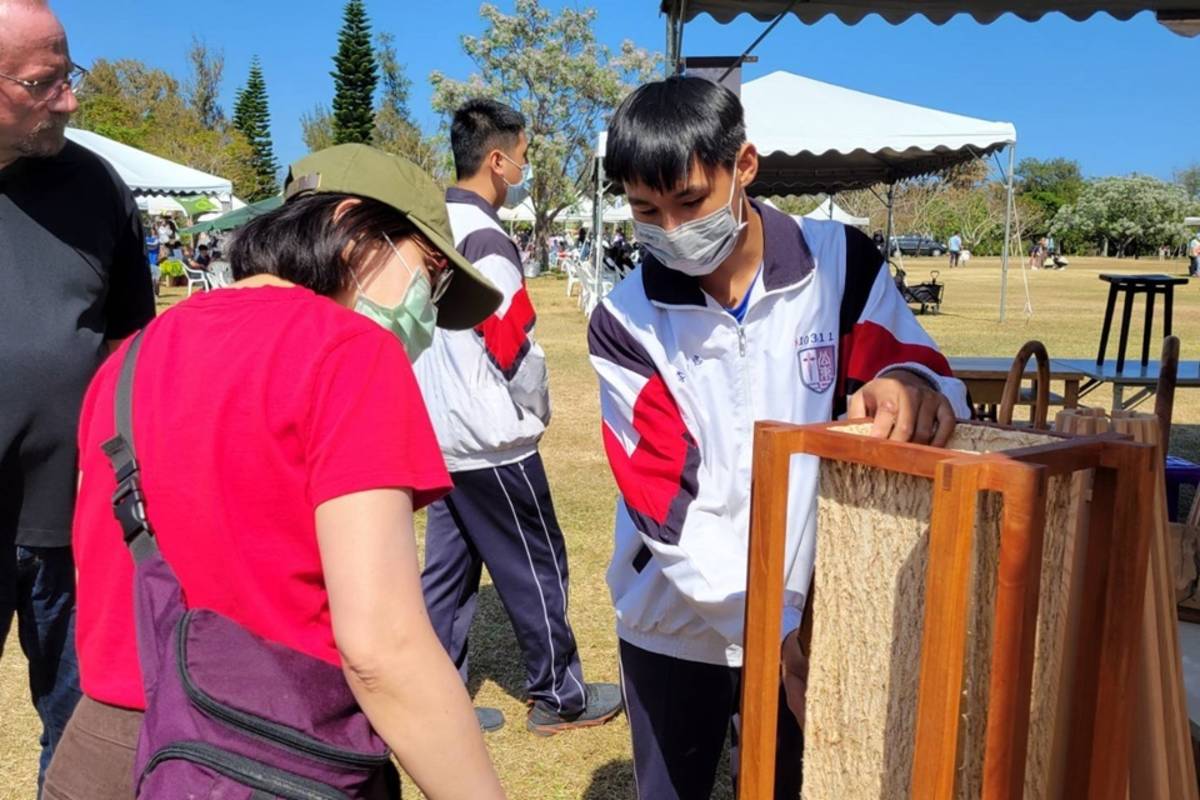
x=197 y=205
x=235 y=219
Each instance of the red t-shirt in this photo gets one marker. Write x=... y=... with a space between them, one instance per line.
x=250 y=408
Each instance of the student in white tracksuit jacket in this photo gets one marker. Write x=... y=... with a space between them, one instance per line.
x=739 y=313
x=489 y=400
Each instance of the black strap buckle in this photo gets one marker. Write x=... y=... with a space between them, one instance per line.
x=129 y=507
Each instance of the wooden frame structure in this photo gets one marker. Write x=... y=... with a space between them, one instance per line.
x=1114 y=577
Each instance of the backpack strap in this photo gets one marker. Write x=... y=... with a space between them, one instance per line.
x=128 y=501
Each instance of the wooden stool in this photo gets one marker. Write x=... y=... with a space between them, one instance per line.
x=1131 y=285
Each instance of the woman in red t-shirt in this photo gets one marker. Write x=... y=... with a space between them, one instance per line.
x=284 y=445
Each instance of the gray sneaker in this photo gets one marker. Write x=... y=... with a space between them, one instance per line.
x=490 y=719
x=603 y=703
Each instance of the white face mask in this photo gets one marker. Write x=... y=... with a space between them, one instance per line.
x=696 y=247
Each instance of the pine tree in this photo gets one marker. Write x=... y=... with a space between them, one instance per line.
x=355 y=77
x=253 y=119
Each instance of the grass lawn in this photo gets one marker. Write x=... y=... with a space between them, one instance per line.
x=595 y=764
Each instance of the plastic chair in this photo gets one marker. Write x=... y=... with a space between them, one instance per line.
x=571 y=267
x=195 y=278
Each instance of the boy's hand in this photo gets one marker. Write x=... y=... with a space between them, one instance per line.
x=905 y=408
x=794 y=667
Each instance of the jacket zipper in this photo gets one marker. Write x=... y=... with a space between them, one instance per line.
x=245 y=771
x=264 y=729
x=741 y=339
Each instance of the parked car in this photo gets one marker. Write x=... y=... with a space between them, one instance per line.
x=911 y=244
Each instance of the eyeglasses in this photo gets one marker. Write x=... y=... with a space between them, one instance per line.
x=436 y=263
x=439 y=266
x=50 y=88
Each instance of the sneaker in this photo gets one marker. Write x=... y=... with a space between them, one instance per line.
x=490 y=719
x=603 y=703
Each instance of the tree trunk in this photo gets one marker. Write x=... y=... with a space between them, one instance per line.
x=541 y=247
x=1104 y=246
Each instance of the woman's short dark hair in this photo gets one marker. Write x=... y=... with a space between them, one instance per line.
x=660 y=129
x=301 y=242
x=480 y=126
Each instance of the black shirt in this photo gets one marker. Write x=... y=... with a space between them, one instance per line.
x=72 y=274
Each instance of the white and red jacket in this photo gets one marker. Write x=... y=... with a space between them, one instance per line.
x=486 y=388
x=681 y=386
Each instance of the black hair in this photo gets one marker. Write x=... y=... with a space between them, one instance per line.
x=301 y=242
x=663 y=127
x=203 y=247
x=480 y=126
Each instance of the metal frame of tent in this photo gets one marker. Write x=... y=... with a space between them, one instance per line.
x=1179 y=16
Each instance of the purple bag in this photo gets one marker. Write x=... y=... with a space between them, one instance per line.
x=230 y=715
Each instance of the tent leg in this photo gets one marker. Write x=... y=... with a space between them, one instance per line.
x=887 y=240
x=674 y=43
x=597 y=233
x=1008 y=214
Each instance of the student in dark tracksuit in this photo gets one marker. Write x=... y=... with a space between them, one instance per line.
x=487 y=394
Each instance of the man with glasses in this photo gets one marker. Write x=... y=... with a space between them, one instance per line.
x=73 y=280
x=489 y=400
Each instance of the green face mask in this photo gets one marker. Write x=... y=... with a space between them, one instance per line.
x=413 y=321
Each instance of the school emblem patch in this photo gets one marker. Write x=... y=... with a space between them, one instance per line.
x=818 y=369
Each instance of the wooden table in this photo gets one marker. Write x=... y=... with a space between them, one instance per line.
x=985 y=378
x=1143 y=377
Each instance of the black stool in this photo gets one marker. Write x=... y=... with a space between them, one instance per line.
x=1131 y=285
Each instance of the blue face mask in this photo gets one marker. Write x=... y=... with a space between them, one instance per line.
x=518 y=191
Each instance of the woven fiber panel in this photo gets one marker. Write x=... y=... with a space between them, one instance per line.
x=872 y=549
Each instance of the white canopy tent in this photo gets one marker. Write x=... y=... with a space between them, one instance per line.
x=156 y=204
x=859 y=140
x=579 y=211
x=522 y=212
x=831 y=210
x=147 y=174
x=1190 y=221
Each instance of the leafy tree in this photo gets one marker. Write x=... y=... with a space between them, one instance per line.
x=548 y=65
x=252 y=117
x=1189 y=179
x=354 y=78
x=143 y=107
x=316 y=128
x=1129 y=213
x=204 y=84
x=1050 y=184
x=395 y=131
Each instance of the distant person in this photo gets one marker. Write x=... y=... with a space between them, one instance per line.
x=1051 y=247
x=489 y=397
x=1193 y=250
x=74 y=282
x=168 y=234
x=202 y=259
x=877 y=238
x=955 y=245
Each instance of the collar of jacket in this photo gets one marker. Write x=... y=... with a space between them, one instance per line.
x=456 y=194
x=786 y=262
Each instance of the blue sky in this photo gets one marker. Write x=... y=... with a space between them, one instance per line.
x=1119 y=97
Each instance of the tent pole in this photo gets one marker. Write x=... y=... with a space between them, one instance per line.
x=887 y=240
x=1008 y=212
x=674 y=40
x=597 y=231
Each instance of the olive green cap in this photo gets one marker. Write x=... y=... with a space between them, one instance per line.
x=361 y=170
